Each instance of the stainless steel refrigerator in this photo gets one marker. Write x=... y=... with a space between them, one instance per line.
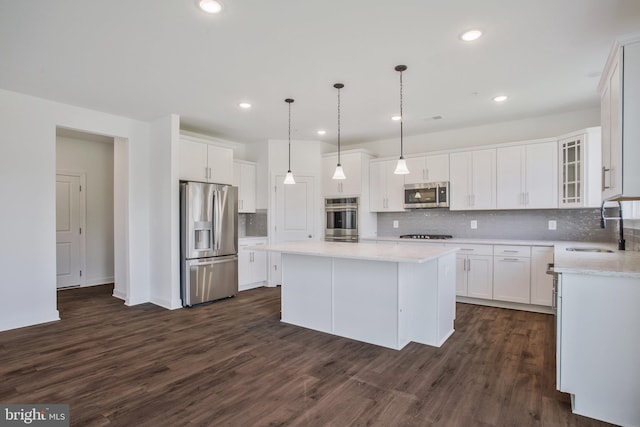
x=208 y=242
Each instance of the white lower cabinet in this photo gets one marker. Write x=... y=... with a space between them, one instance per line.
x=474 y=271
x=512 y=273
x=541 y=282
x=252 y=265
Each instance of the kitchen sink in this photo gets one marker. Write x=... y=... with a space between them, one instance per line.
x=590 y=250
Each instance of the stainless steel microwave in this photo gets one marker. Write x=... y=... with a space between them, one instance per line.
x=428 y=195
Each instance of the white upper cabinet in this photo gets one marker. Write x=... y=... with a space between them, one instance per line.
x=386 y=189
x=356 y=170
x=473 y=180
x=427 y=169
x=527 y=176
x=579 y=177
x=620 y=109
x=244 y=177
x=204 y=162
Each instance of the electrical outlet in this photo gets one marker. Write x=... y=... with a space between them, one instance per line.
x=395 y=223
x=553 y=225
x=474 y=224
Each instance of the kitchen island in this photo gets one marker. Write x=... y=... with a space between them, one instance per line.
x=379 y=294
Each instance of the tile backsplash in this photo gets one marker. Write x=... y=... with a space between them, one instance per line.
x=572 y=224
x=632 y=238
x=253 y=225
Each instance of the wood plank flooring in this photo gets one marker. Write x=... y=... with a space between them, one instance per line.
x=232 y=363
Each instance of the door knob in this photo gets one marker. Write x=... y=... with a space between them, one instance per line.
x=310 y=236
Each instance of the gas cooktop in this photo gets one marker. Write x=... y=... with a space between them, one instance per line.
x=426 y=236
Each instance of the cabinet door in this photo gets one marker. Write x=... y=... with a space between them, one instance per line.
x=244 y=266
x=377 y=187
x=220 y=161
x=418 y=170
x=193 y=161
x=352 y=166
x=461 y=275
x=541 y=175
x=572 y=169
x=259 y=266
x=483 y=179
x=480 y=276
x=330 y=186
x=511 y=279
x=395 y=188
x=460 y=181
x=437 y=168
x=510 y=175
x=541 y=282
x=244 y=177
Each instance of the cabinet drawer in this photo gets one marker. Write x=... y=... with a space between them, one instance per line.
x=466 y=249
x=512 y=251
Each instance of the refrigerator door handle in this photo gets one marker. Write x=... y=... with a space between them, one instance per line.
x=217 y=260
x=217 y=225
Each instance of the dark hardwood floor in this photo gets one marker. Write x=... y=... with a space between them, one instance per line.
x=232 y=363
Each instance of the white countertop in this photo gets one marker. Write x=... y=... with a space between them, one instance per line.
x=614 y=264
x=469 y=240
x=366 y=251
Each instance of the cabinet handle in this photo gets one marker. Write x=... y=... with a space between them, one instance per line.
x=468 y=265
x=604 y=170
x=510 y=259
x=467 y=249
x=510 y=252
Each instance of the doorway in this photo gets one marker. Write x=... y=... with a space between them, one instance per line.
x=84 y=209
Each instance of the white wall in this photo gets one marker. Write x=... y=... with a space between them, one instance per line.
x=27 y=222
x=95 y=160
x=164 y=241
x=494 y=133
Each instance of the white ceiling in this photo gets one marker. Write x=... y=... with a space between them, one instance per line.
x=147 y=58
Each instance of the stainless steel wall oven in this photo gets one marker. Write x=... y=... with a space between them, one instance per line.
x=341 y=219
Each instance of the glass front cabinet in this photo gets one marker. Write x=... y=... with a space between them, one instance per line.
x=579 y=161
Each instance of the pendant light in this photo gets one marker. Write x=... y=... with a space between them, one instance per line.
x=339 y=173
x=401 y=167
x=289 y=178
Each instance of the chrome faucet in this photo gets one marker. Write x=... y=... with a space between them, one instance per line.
x=604 y=219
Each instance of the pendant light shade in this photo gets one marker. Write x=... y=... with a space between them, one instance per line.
x=401 y=167
x=339 y=172
x=289 y=178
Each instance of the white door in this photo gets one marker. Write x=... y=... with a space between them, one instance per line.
x=294 y=216
x=68 y=231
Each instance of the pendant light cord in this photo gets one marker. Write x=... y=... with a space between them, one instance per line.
x=289 y=136
x=401 y=118
x=338 y=126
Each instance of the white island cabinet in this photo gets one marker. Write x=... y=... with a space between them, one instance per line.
x=388 y=295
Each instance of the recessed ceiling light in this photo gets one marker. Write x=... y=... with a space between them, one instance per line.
x=244 y=105
x=210 y=6
x=500 y=98
x=322 y=132
x=396 y=118
x=471 y=35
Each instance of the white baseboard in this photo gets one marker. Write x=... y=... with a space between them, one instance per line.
x=505 y=304
x=119 y=295
x=164 y=303
x=36 y=319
